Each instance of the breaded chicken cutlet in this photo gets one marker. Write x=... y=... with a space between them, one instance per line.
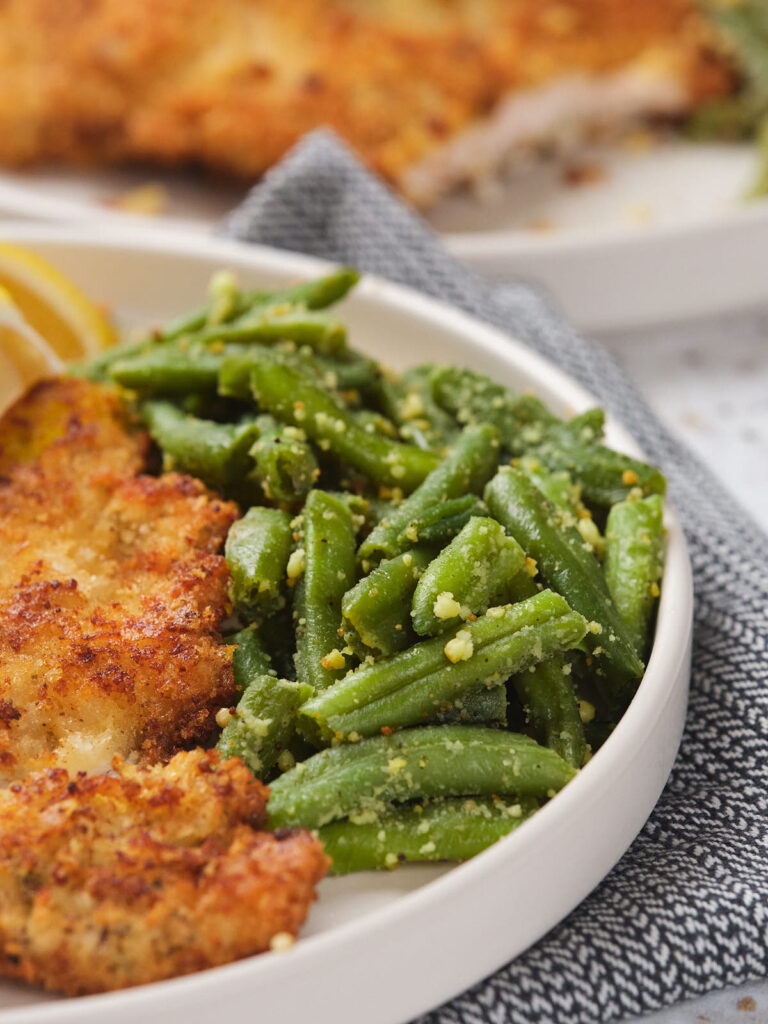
x=112 y=590
x=112 y=881
x=431 y=93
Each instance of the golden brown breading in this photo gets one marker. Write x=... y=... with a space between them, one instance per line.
x=57 y=409
x=111 y=881
x=112 y=590
x=235 y=83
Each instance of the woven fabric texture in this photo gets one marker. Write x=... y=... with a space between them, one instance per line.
x=686 y=909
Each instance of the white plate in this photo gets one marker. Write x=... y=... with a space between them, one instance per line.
x=665 y=235
x=385 y=947
x=194 y=202
x=662 y=236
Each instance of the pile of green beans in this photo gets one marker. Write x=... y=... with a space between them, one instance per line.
x=443 y=593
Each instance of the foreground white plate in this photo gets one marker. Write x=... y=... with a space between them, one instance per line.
x=663 y=235
x=382 y=948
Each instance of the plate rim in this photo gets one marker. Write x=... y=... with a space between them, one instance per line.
x=53 y=210
x=469 y=245
x=667 y=660
x=508 y=242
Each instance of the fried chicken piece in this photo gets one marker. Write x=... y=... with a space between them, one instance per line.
x=111 y=881
x=68 y=408
x=233 y=84
x=112 y=590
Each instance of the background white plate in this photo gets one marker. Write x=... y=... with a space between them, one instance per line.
x=386 y=947
x=195 y=202
x=663 y=235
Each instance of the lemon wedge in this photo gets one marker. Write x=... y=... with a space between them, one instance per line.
x=24 y=355
x=54 y=307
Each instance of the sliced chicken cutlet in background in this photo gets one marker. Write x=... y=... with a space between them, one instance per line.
x=431 y=93
x=112 y=590
x=112 y=881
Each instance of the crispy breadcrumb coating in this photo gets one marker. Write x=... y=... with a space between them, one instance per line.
x=116 y=880
x=112 y=590
x=232 y=85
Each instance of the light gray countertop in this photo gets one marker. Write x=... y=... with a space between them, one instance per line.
x=708 y=382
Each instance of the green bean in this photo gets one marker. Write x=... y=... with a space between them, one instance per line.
x=569 y=567
x=386 y=394
x=410 y=405
x=522 y=420
x=316 y=294
x=634 y=562
x=441 y=523
x=441 y=696
x=374 y=423
x=284 y=463
x=417 y=684
x=487 y=705
x=167 y=370
x=329 y=572
x=263 y=723
x=187 y=365
x=293 y=398
x=101 y=366
x=375 y=611
x=250 y=658
x=547 y=694
x=552 y=711
x=465 y=469
x=353 y=372
x=433 y=761
x=560 y=489
x=226 y=301
x=366 y=511
x=184 y=366
x=207 y=405
x=439 y=830
x=429 y=657
x=191 y=323
x=264 y=647
x=217 y=453
x=234 y=373
x=526 y=426
x=98 y=367
x=605 y=476
x=322 y=291
x=312 y=295
x=466 y=578
x=271 y=323
x=420 y=418
x=237 y=361
x=257 y=551
x=587 y=426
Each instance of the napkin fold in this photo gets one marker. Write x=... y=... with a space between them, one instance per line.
x=685 y=911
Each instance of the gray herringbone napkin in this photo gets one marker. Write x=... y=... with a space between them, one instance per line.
x=686 y=909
